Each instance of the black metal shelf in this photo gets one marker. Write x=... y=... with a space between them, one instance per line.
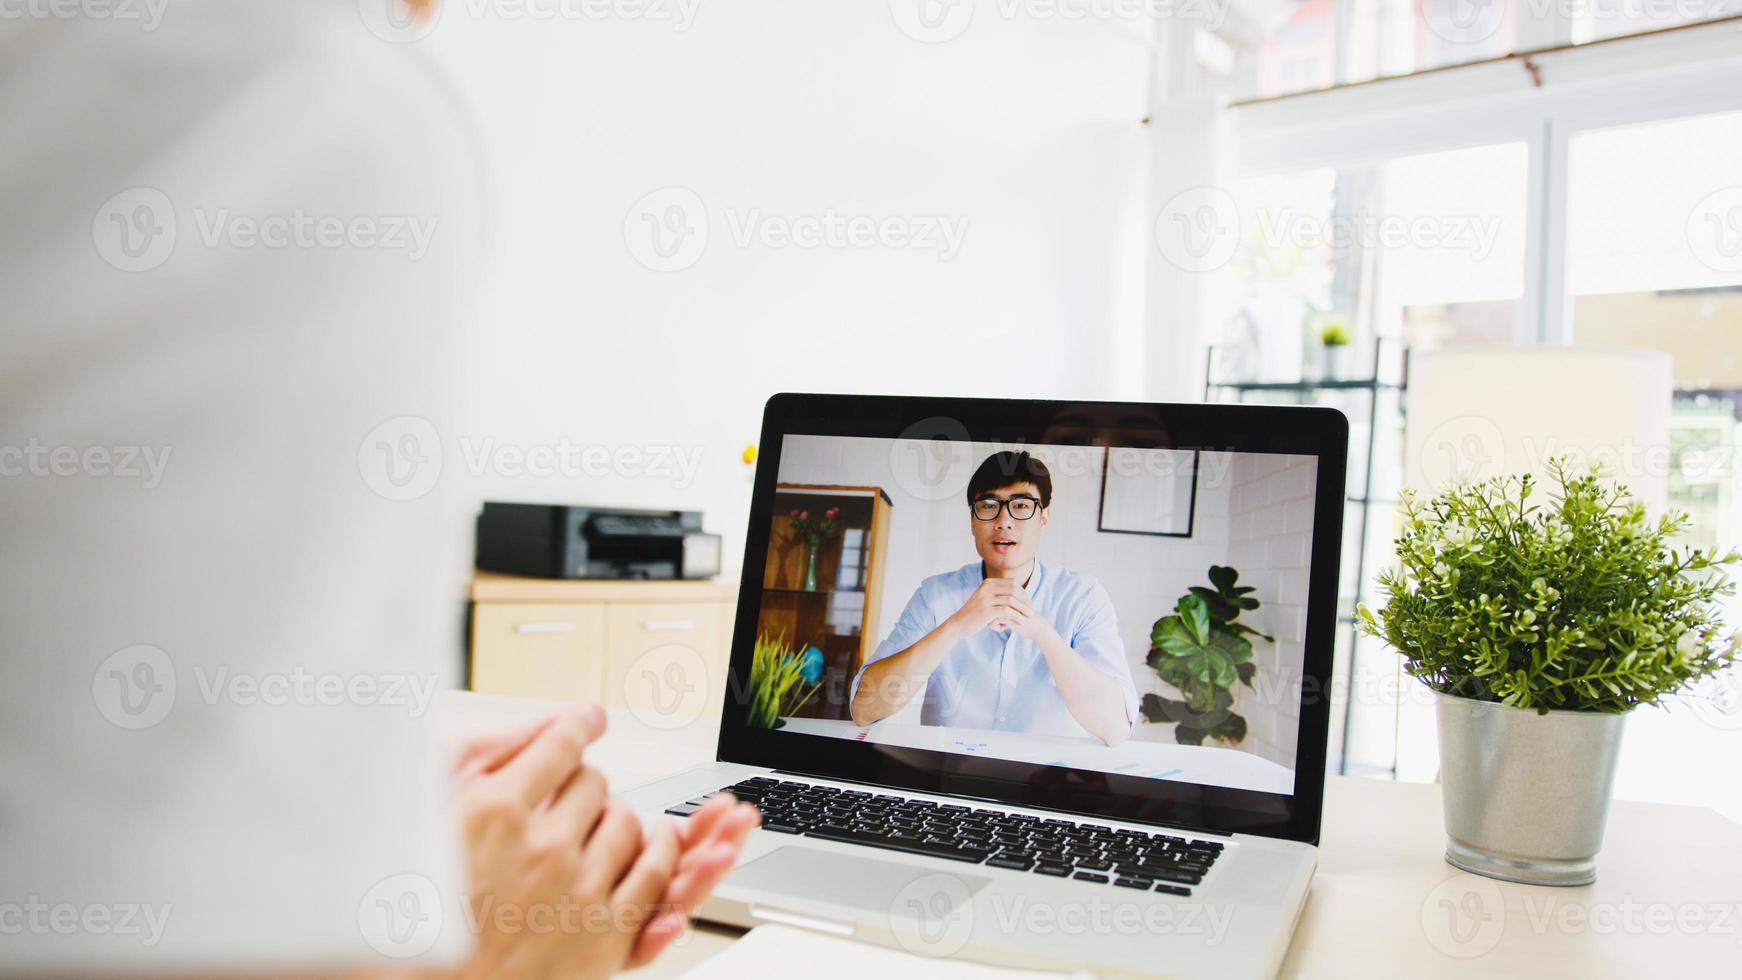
x=1370 y=386
x=1351 y=384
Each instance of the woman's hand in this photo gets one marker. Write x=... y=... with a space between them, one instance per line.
x=563 y=880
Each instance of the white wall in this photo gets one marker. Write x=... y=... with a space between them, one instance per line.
x=1028 y=130
x=1270 y=524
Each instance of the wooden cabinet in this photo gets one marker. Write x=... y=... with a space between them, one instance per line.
x=830 y=599
x=658 y=648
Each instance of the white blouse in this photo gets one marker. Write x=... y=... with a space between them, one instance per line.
x=236 y=252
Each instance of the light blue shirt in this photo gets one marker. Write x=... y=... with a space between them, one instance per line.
x=997 y=679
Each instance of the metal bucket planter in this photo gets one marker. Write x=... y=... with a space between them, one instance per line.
x=1526 y=795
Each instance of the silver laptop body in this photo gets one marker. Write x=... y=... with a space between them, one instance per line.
x=1247 y=851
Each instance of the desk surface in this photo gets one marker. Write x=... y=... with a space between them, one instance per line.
x=1667 y=900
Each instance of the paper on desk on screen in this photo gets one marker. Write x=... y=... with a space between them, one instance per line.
x=785 y=953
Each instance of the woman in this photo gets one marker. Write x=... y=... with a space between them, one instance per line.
x=236 y=257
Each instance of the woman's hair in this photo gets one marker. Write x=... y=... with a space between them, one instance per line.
x=1007 y=468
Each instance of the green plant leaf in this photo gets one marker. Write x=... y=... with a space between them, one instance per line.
x=1220 y=609
x=1223 y=577
x=1172 y=635
x=1233 y=646
x=1195 y=615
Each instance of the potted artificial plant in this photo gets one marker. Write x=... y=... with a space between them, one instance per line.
x=1539 y=627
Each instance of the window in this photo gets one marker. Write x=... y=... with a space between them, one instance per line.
x=1603 y=199
x=1654 y=260
x=1294 y=46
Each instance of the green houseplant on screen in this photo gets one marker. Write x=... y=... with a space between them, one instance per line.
x=1202 y=650
x=782 y=680
x=1540 y=621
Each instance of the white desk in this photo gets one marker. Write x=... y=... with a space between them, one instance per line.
x=1667 y=901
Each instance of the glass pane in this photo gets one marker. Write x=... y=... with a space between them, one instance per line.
x=1298 y=51
x=1597 y=19
x=1290 y=46
x=1654 y=260
x=1396 y=37
x=1428 y=249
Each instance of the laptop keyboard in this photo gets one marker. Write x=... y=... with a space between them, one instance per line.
x=1019 y=842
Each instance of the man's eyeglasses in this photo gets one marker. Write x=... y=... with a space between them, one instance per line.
x=1021 y=508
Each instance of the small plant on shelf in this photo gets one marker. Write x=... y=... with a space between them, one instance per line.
x=1201 y=650
x=1334 y=333
x=782 y=680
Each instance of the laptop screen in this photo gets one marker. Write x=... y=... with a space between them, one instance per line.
x=1107 y=600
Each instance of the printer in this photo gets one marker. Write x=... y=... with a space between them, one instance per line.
x=557 y=541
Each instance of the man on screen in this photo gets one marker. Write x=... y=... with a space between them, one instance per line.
x=1006 y=642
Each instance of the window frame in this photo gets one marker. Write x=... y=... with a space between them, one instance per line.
x=1542 y=100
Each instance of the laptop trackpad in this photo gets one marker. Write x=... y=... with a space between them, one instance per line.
x=809 y=877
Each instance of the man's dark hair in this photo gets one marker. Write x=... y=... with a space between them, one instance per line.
x=1007 y=469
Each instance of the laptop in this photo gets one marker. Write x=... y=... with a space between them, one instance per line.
x=1033 y=683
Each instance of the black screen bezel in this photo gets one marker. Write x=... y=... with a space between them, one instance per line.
x=1320 y=432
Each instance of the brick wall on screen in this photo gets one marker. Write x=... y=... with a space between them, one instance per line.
x=1270 y=504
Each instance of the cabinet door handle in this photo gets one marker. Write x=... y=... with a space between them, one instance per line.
x=668 y=625
x=544 y=627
